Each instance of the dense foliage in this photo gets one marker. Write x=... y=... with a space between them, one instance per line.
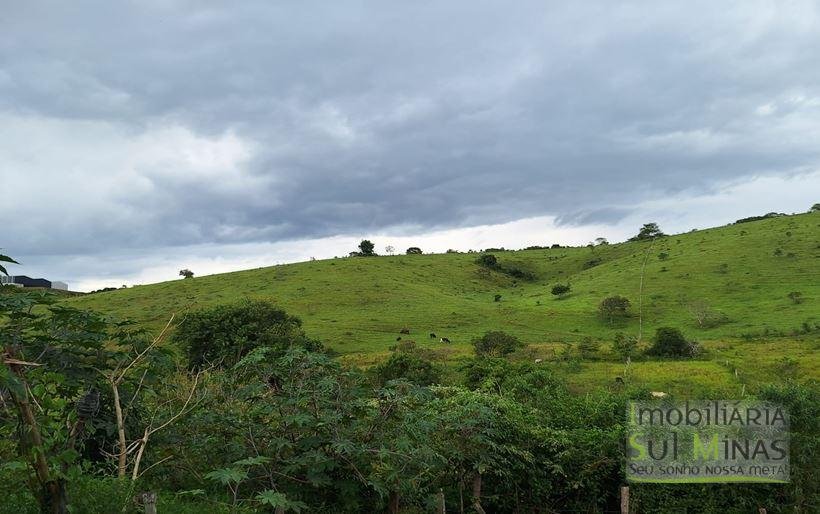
x=670 y=342
x=224 y=334
x=496 y=344
x=94 y=411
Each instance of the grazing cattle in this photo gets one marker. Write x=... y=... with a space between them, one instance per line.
x=398 y=338
x=444 y=340
x=404 y=331
x=432 y=335
x=619 y=380
x=538 y=361
x=657 y=394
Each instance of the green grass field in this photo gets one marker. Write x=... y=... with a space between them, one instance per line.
x=357 y=305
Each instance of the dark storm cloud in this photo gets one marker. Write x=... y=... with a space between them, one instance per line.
x=340 y=117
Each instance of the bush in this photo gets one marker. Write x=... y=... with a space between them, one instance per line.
x=517 y=272
x=407 y=366
x=589 y=347
x=613 y=308
x=561 y=290
x=670 y=342
x=413 y=250
x=496 y=344
x=225 y=333
x=592 y=263
x=624 y=346
x=487 y=260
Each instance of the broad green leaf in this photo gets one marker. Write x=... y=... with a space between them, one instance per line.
x=227 y=475
x=252 y=461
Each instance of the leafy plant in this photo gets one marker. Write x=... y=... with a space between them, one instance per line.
x=496 y=344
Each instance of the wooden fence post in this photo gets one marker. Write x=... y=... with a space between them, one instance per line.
x=149 y=502
x=625 y=499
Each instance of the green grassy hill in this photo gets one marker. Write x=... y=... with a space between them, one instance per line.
x=741 y=273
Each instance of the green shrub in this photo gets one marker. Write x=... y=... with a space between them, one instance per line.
x=613 y=308
x=670 y=342
x=407 y=366
x=561 y=290
x=487 y=260
x=589 y=347
x=624 y=345
x=496 y=344
x=224 y=334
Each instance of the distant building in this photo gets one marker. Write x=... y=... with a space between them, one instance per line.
x=24 y=281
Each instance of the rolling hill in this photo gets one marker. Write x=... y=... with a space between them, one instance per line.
x=738 y=277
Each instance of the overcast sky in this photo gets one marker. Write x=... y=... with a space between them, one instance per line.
x=138 y=138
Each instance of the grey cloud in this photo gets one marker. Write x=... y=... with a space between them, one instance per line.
x=361 y=116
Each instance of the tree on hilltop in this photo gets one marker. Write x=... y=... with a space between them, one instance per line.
x=647 y=232
x=366 y=248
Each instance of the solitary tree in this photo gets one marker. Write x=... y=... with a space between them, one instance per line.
x=613 y=308
x=624 y=345
x=561 y=290
x=647 y=232
x=601 y=241
x=413 y=250
x=389 y=249
x=670 y=342
x=487 y=260
x=186 y=273
x=366 y=248
x=496 y=344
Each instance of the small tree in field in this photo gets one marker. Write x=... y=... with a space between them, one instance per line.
x=624 y=345
x=366 y=248
x=186 y=273
x=487 y=260
x=670 y=342
x=390 y=249
x=496 y=344
x=561 y=290
x=613 y=308
x=223 y=334
x=588 y=347
x=647 y=232
x=413 y=250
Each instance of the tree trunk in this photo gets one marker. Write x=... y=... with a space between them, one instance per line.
x=143 y=442
x=442 y=509
x=121 y=458
x=393 y=503
x=477 y=493
x=52 y=494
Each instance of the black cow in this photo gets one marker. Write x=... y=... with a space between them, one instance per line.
x=398 y=338
x=432 y=335
x=404 y=331
x=445 y=340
